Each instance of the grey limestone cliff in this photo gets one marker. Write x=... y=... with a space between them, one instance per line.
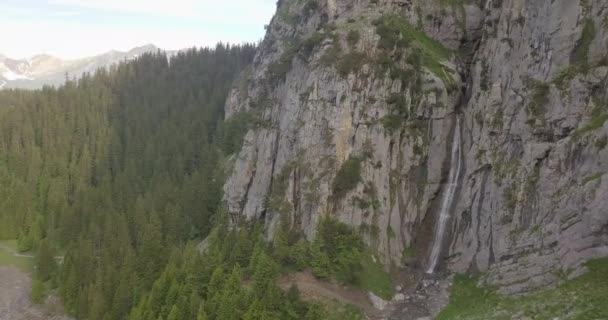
x=376 y=87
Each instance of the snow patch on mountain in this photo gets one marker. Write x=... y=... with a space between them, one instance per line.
x=10 y=75
x=40 y=70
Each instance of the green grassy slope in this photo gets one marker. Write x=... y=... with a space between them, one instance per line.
x=583 y=298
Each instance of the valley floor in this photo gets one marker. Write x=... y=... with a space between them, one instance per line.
x=313 y=289
x=10 y=257
x=15 y=303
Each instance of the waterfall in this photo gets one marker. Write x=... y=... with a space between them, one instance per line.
x=448 y=199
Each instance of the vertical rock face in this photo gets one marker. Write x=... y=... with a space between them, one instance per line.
x=535 y=195
x=354 y=105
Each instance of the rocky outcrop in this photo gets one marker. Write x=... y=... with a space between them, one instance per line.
x=354 y=105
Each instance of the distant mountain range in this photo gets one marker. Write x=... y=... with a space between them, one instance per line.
x=40 y=70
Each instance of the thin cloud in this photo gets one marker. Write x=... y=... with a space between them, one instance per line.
x=65 y=41
x=11 y=10
x=180 y=8
x=211 y=11
x=92 y=27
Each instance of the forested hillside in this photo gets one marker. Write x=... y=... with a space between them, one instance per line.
x=144 y=135
x=119 y=171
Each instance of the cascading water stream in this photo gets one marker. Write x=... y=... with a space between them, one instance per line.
x=448 y=199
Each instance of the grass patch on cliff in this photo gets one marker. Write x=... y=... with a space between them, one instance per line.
x=396 y=33
x=598 y=117
x=577 y=299
x=372 y=277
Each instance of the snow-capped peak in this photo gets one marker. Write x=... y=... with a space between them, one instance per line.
x=44 y=69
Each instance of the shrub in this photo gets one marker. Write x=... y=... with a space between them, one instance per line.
x=391 y=122
x=398 y=103
x=277 y=71
x=581 y=52
x=540 y=98
x=309 y=8
x=347 y=177
x=350 y=63
x=299 y=254
x=601 y=142
x=391 y=37
x=353 y=37
x=37 y=293
x=336 y=251
x=310 y=43
x=331 y=56
x=484 y=81
x=234 y=130
x=320 y=263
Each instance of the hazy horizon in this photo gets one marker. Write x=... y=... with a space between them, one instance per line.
x=72 y=29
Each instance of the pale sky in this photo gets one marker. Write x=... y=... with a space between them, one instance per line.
x=79 y=28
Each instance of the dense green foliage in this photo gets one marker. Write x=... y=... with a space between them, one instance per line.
x=235 y=129
x=211 y=286
x=350 y=63
x=540 y=98
x=353 y=37
x=581 y=298
x=347 y=177
x=277 y=71
x=336 y=251
x=117 y=170
x=140 y=139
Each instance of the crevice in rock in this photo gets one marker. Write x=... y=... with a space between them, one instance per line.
x=295 y=197
x=275 y=152
x=243 y=203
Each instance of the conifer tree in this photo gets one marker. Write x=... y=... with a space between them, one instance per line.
x=45 y=262
x=174 y=314
x=202 y=315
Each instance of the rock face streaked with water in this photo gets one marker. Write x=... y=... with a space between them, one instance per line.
x=528 y=81
x=448 y=197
